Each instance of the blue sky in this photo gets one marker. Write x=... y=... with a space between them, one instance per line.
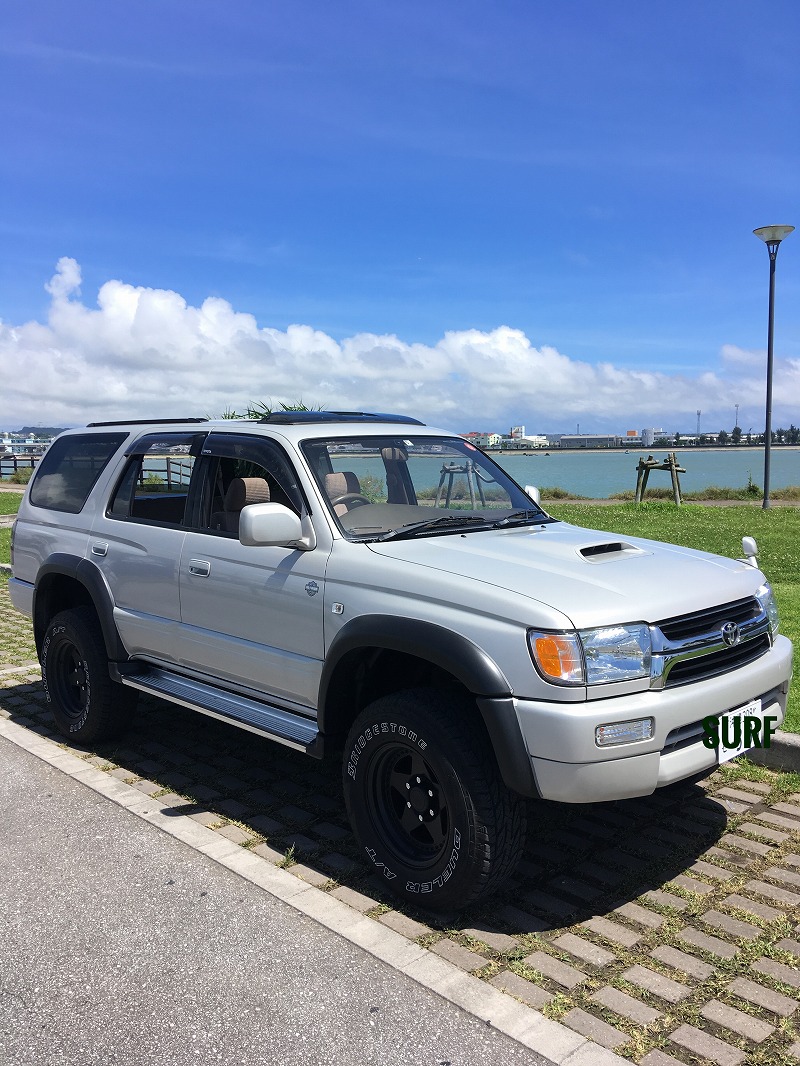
x=486 y=214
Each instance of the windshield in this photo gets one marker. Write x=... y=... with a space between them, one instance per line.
x=383 y=487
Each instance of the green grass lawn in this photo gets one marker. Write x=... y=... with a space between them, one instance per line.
x=9 y=502
x=719 y=530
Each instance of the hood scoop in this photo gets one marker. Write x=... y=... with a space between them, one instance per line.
x=614 y=549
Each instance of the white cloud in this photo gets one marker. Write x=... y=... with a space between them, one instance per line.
x=144 y=352
x=735 y=356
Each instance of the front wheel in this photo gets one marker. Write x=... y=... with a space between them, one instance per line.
x=86 y=704
x=426 y=800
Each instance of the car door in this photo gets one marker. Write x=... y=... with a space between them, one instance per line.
x=251 y=616
x=136 y=542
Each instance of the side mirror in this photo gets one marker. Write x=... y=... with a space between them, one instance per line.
x=533 y=493
x=750 y=549
x=269 y=525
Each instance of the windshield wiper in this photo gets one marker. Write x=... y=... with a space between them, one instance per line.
x=521 y=517
x=474 y=520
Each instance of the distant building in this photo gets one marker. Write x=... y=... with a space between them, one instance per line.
x=17 y=444
x=524 y=444
x=590 y=440
x=483 y=440
x=649 y=436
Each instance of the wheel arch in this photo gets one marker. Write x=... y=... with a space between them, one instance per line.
x=374 y=655
x=65 y=581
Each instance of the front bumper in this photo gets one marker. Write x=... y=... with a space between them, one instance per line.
x=569 y=767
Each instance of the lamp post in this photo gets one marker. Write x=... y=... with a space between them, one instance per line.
x=772 y=237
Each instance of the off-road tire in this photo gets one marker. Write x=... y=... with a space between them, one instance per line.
x=426 y=800
x=86 y=704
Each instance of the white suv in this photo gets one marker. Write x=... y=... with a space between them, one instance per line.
x=364 y=584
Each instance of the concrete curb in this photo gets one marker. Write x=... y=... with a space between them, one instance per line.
x=524 y=1024
x=782 y=754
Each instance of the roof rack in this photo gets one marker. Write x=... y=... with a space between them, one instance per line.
x=146 y=422
x=291 y=418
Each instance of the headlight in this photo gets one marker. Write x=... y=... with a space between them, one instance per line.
x=616 y=653
x=592 y=656
x=766 y=597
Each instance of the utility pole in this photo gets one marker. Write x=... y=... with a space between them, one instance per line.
x=698 y=424
x=772 y=237
x=736 y=405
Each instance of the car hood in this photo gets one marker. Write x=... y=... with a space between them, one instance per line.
x=594 y=578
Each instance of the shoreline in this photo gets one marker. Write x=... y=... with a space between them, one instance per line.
x=680 y=450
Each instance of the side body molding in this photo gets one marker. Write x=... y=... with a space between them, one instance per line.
x=459 y=657
x=98 y=594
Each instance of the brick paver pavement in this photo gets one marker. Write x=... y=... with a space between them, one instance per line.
x=667 y=927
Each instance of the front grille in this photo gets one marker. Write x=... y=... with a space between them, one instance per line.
x=688 y=626
x=690 y=647
x=719 y=662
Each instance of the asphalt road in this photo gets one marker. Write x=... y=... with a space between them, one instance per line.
x=121 y=945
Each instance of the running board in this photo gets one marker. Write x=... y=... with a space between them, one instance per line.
x=265 y=719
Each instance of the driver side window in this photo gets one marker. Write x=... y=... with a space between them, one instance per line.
x=241 y=472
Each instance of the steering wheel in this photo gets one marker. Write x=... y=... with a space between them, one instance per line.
x=352 y=499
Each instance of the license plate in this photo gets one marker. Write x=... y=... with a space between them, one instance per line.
x=741 y=737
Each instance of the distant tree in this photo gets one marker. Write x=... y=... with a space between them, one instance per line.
x=661 y=442
x=779 y=436
x=40 y=431
x=723 y=437
x=793 y=436
x=677 y=440
x=736 y=435
x=703 y=440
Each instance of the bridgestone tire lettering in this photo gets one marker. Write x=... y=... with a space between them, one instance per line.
x=374 y=731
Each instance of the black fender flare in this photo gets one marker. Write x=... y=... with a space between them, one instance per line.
x=458 y=656
x=85 y=573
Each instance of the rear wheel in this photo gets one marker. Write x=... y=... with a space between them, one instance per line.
x=86 y=704
x=426 y=800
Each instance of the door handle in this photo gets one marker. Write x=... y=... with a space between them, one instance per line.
x=199 y=568
x=99 y=549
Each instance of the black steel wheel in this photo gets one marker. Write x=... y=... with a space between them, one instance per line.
x=426 y=800
x=86 y=704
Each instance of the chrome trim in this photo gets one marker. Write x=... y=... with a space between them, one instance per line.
x=666 y=653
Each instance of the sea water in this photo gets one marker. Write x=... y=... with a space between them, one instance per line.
x=599 y=474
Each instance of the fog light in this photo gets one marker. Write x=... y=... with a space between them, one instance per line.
x=623 y=732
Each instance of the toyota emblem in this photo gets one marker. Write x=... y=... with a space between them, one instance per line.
x=730 y=634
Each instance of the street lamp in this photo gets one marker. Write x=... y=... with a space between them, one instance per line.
x=772 y=237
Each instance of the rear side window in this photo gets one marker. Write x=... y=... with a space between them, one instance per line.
x=155 y=484
x=69 y=469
